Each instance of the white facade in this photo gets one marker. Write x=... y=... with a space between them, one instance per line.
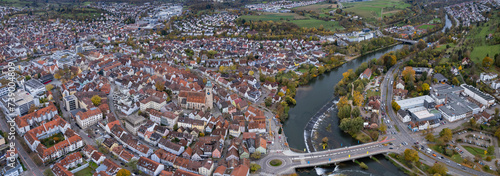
x=487 y=76
x=481 y=97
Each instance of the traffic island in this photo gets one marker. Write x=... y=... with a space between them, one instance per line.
x=275 y=162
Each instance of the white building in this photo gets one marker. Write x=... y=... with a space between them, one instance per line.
x=149 y=166
x=414 y=102
x=24 y=101
x=481 y=97
x=88 y=118
x=35 y=87
x=487 y=76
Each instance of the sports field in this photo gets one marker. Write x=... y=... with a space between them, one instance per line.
x=426 y=26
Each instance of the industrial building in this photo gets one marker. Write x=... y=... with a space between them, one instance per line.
x=426 y=101
x=485 y=99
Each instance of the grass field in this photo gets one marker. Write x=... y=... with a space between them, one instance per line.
x=457 y=158
x=477 y=151
x=84 y=172
x=478 y=34
x=443 y=47
x=319 y=8
x=435 y=21
x=309 y=23
x=480 y=52
x=297 y=19
x=371 y=93
x=426 y=26
x=273 y=17
x=374 y=9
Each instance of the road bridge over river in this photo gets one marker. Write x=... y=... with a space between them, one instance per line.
x=413 y=42
x=292 y=160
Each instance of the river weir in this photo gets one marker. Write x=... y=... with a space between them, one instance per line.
x=312 y=125
x=315 y=111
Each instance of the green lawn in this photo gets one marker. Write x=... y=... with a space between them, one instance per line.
x=480 y=52
x=85 y=172
x=309 y=23
x=52 y=140
x=318 y=8
x=371 y=93
x=477 y=151
x=301 y=21
x=426 y=26
x=373 y=9
x=478 y=34
x=435 y=21
x=443 y=47
x=457 y=158
x=273 y=17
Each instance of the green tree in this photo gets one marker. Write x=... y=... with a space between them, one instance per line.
x=123 y=172
x=255 y=155
x=254 y=167
x=491 y=150
x=49 y=87
x=355 y=112
x=395 y=106
x=159 y=86
x=438 y=168
x=48 y=172
x=383 y=128
x=472 y=122
x=487 y=61
x=446 y=134
x=96 y=100
x=430 y=137
x=344 y=112
x=132 y=164
x=425 y=88
x=411 y=155
x=269 y=101
x=351 y=125
x=357 y=99
x=408 y=74
x=455 y=81
x=342 y=102
x=175 y=127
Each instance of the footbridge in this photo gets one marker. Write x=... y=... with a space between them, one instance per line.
x=291 y=160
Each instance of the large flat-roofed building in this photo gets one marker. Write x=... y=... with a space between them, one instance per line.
x=481 y=97
x=21 y=105
x=422 y=114
x=415 y=102
x=35 y=87
x=456 y=108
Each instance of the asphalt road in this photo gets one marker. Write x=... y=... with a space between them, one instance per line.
x=23 y=155
x=405 y=135
x=291 y=160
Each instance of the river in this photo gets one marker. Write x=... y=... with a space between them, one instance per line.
x=311 y=97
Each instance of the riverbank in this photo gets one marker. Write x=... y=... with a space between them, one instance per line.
x=369 y=52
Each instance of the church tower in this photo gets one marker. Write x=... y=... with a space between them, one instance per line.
x=209 y=96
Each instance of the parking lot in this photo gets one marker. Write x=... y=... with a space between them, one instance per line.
x=479 y=139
